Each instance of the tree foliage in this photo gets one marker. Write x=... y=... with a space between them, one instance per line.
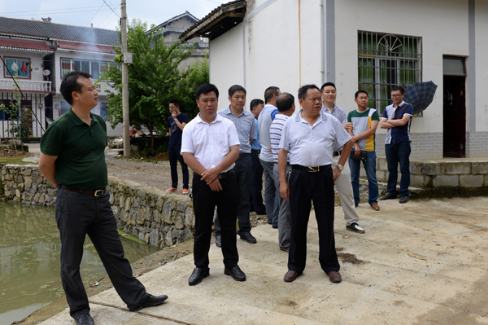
x=154 y=78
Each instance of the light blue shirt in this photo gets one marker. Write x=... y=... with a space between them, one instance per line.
x=264 y=123
x=245 y=125
x=312 y=145
x=255 y=145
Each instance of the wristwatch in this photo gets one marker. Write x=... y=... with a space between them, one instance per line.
x=340 y=167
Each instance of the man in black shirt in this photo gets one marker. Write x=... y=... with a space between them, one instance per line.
x=176 y=122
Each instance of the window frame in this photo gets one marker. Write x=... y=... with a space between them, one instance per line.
x=397 y=64
x=72 y=65
x=29 y=61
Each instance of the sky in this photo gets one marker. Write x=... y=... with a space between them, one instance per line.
x=98 y=12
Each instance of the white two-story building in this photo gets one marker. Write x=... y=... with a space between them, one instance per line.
x=38 y=54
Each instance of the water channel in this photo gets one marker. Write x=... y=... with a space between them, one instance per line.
x=29 y=260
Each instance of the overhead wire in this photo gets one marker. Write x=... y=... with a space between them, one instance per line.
x=111 y=8
x=94 y=15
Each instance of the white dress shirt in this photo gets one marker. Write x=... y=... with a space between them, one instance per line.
x=209 y=143
x=312 y=145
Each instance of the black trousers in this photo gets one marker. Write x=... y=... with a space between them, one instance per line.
x=205 y=200
x=78 y=215
x=256 y=199
x=173 y=156
x=243 y=173
x=318 y=187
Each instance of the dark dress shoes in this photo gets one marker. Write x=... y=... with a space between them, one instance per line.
x=248 y=237
x=218 y=240
x=389 y=196
x=197 y=276
x=150 y=301
x=84 y=320
x=404 y=199
x=334 y=276
x=291 y=275
x=236 y=273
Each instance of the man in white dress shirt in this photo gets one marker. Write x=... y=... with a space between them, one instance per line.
x=210 y=146
x=310 y=137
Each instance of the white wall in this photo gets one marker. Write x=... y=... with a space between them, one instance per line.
x=226 y=62
x=481 y=64
x=442 y=24
x=36 y=59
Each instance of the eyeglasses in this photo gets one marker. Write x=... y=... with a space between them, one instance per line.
x=395 y=96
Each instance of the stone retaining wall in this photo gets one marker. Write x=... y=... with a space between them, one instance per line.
x=443 y=177
x=153 y=216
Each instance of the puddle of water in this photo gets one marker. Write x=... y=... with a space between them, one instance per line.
x=29 y=260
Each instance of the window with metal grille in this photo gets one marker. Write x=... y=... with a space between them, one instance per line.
x=385 y=61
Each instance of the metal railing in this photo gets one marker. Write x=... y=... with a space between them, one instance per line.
x=26 y=85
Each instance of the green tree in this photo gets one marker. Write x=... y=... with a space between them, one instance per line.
x=153 y=78
x=196 y=75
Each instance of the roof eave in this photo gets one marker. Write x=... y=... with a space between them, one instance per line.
x=207 y=24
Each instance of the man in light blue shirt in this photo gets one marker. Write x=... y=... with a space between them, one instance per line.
x=266 y=157
x=256 y=199
x=245 y=125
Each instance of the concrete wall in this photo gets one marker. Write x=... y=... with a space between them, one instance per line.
x=272 y=48
x=36 y=59
x=158 y=218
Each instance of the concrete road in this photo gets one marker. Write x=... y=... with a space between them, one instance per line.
x=424 y=262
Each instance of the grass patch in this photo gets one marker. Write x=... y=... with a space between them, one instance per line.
x=15 y=159
x=123 y=234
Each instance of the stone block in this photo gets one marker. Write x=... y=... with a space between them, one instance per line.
x=159 y=203
x=381 y=163
x=111 y=199
x=167 y=211
x=189 y=218
x=479 y=168
x=181 y=206
x=146 y=238
x=153 y=238
x=471 y=180
x=382 y=176
x=421 y=181
x=127 y=206
x=445 y=181
x=458 y=168
x=27 y=172
x=485 y=181
x=17 y=193
x=178 y=220
x=28 y=181
x=416 y=167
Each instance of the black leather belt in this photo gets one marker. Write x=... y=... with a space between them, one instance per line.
x=257 y=151
x=95 y=193
x=244 y=154
x=311 y=169
x=336 y=153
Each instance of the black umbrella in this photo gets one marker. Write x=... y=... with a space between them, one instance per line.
x=420 y=95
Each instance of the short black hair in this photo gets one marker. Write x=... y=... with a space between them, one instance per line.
x=303 y=90
x=329 y=83
x=234 y=89
x=205 y=89
x=270 y=92
x=285 y=102
x=174 y=102
x=398 y=88
x=70 y=84
x=254 y=103
x=360 y=92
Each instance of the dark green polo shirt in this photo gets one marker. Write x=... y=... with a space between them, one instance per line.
x=80 y=150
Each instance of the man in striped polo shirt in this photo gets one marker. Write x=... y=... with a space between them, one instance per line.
x=364 y=123
x=286 y=107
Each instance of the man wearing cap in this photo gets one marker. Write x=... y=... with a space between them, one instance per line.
x=73 y=160
x=310 y=138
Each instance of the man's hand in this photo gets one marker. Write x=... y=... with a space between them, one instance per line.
x=215 y=185
x=336 y=173
x=174 y=115
x=284 y=190
x=348 y=127
x=210 y=175
x=358 y=150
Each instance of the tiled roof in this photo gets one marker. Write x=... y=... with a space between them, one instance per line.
x=34 y=28
x=23 y=44
x=86 y=47
x=185 y=14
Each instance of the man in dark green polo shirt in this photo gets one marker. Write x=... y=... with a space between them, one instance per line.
x=73 y=160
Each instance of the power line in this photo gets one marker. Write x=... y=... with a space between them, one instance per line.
x=46 y=11
x=55 y=13
x=111 y=8
x=110 y=13
x=94 y=15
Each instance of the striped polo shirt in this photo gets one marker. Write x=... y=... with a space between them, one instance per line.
x=276 y=133
x=361 y=122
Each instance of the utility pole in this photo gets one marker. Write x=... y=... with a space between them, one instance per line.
x=125 y=83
